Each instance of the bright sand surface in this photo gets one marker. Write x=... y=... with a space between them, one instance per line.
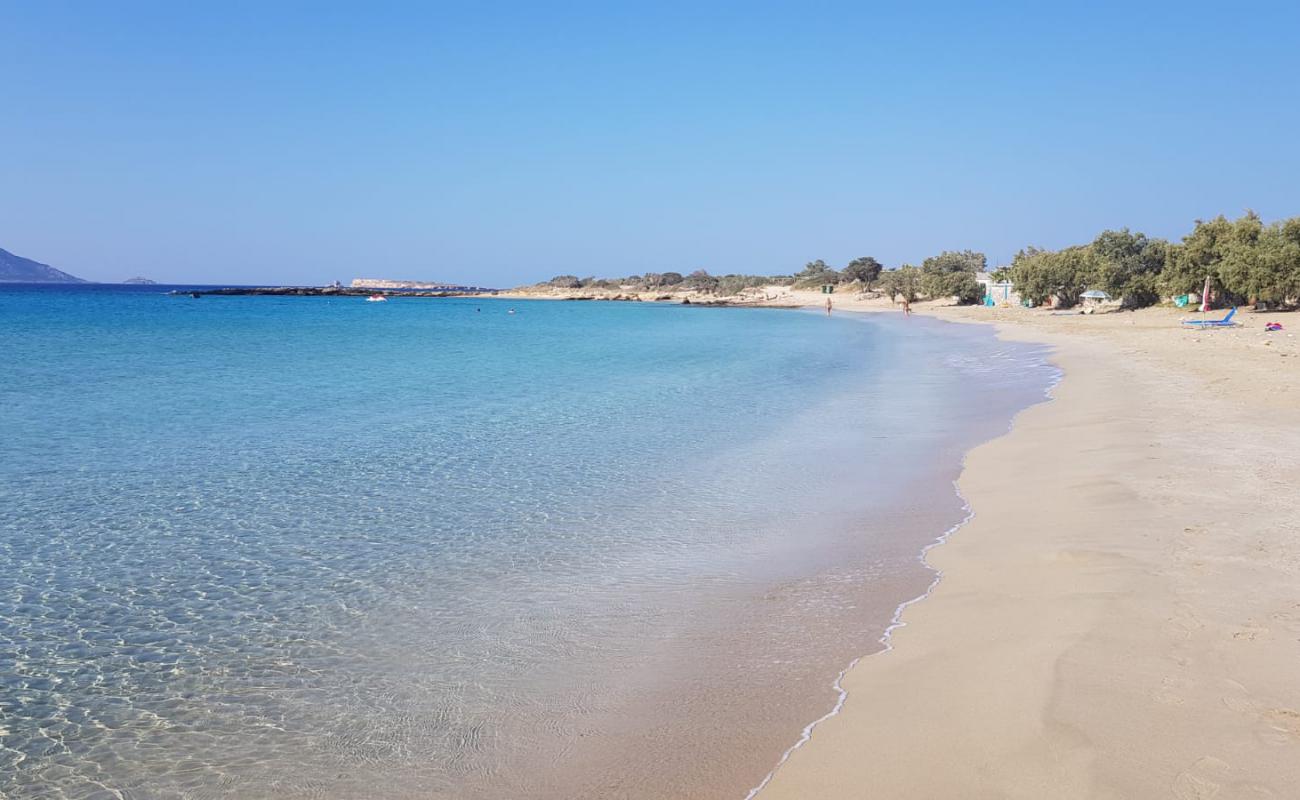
x=1121 y=618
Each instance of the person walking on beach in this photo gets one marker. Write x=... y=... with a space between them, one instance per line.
x=907 y=307
x=828 y=306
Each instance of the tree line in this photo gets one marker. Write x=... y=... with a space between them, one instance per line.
x=949 y=274
x=1246 y=261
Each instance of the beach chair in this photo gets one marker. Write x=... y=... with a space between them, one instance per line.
x=1226 y=322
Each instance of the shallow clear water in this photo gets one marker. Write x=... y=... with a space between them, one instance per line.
x=310 y=547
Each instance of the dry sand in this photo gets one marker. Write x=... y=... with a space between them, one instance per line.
x=1121 y=619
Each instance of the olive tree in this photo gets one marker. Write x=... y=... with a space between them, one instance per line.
x=952 y=274
x=1041 y=275
x=1129 y=265
x=700 y=281
x=904 y=281
x=865 y=270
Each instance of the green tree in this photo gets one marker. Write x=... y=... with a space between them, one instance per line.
x=1197 y=258
x=955 y=261
x=1275 y=267
x=1041 y=276
x=1072 y=271
x=565 y=282
x=815 y=273
x=864 y=270
x=952 y=274
x=904 y=281
x=1243 y=258
x=1129 y=265
x=700 y=281
x=1240 y=267
x=814 y=268
x=1031 y=273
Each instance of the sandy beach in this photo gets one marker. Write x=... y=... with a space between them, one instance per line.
x=1121 y=618
x=465 y=402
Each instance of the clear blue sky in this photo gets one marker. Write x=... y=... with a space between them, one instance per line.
x=505 y=143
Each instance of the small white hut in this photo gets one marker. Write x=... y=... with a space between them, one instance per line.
x=1002 y=293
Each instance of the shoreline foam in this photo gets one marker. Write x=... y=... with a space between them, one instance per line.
x=896 y=621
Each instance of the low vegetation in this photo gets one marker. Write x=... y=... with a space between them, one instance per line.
x=948 y=274
x=1245 y=259
x=698 y=281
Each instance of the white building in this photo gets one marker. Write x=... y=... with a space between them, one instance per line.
x=1002 y=292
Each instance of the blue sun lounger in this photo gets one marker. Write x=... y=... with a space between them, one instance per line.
x=1226 y=322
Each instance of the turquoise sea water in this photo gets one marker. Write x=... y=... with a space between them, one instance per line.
x=318 y=547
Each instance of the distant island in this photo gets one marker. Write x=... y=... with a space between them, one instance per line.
x=141 y=281
x=16 y=269
x=386 y=283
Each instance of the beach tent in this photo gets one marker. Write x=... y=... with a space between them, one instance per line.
x=1095 y=294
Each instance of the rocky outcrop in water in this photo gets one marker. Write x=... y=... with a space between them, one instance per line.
x=338 y=291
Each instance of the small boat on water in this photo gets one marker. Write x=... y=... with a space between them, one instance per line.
x=376 y=298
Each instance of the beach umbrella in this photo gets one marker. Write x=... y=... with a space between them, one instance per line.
x=1095 y=294
x=1205 y=295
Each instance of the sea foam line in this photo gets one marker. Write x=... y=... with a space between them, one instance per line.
x=885 y=639
x=895 y=622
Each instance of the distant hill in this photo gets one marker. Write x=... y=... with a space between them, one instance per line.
x=16 y=269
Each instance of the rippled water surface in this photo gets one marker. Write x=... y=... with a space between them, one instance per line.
x=309 y=547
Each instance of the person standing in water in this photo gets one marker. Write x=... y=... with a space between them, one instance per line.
x=828 y=306
x=907 y=307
